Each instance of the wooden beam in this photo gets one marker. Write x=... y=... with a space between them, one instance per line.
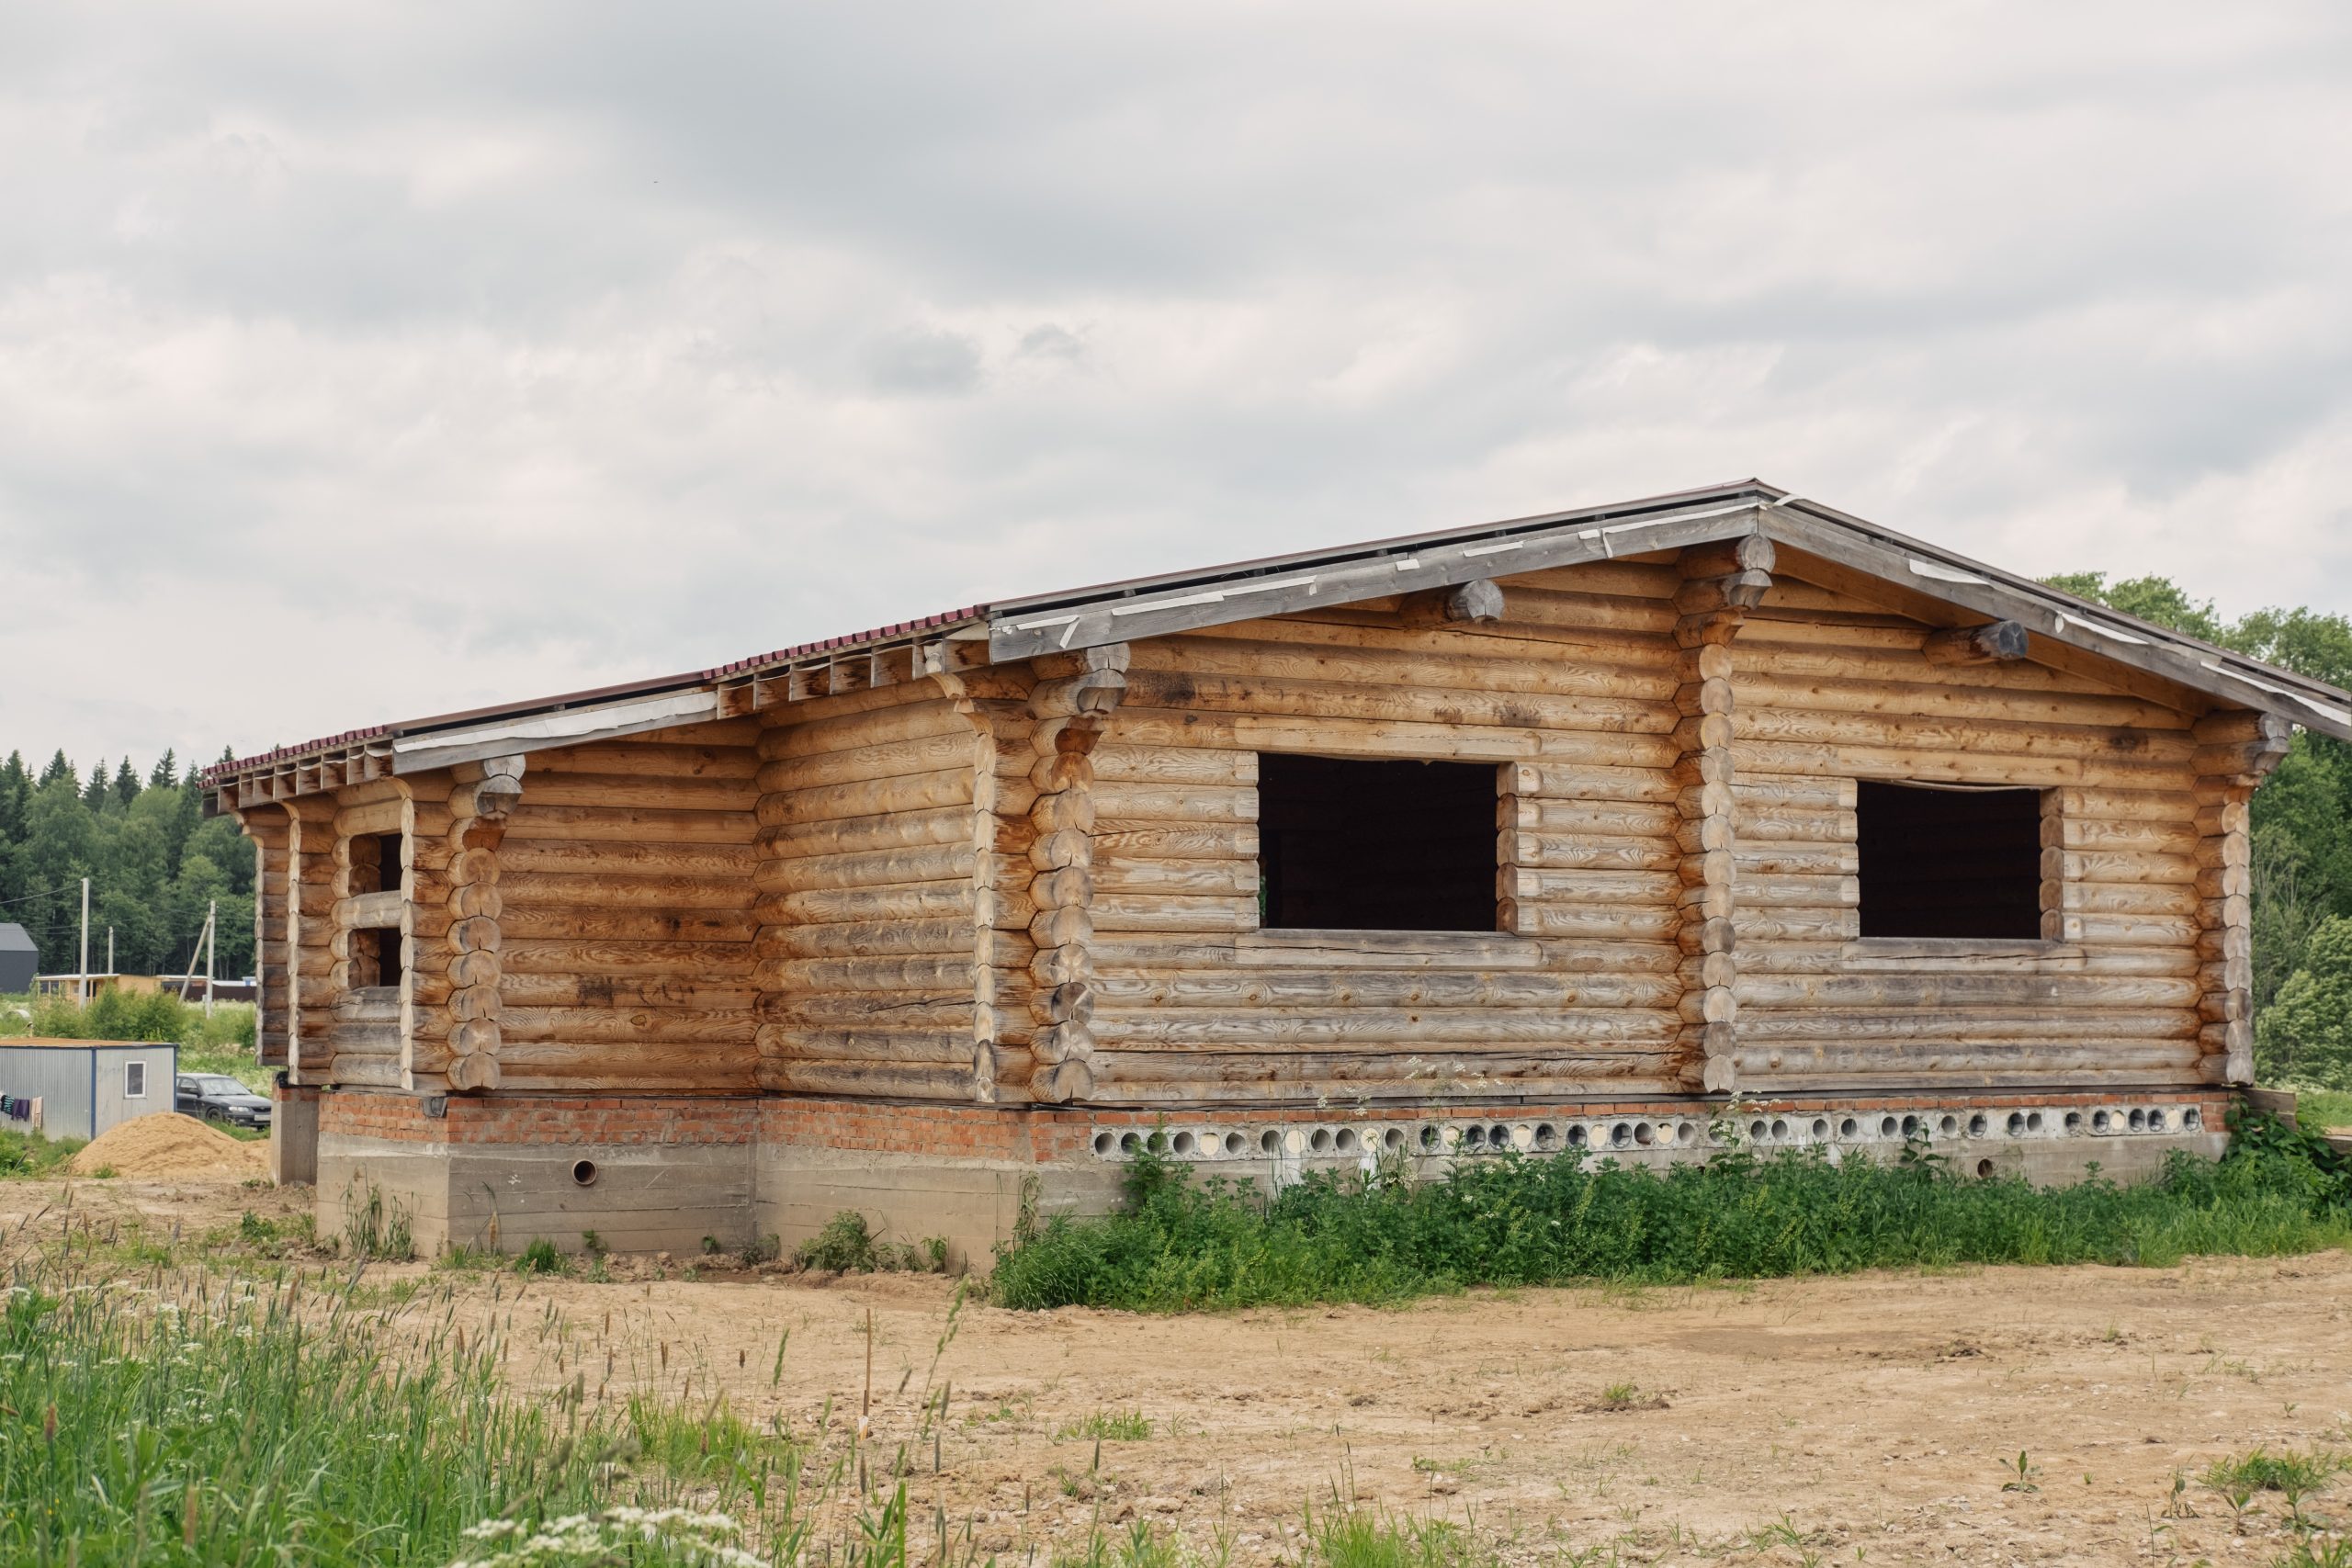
x=1479 y=601
x=1995 y=642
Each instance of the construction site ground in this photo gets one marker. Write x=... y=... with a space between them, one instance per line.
x=1974 y=1417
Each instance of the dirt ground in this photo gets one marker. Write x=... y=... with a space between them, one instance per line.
x=1877 y=1418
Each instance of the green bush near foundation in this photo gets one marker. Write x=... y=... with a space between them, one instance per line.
x=1510 y=1220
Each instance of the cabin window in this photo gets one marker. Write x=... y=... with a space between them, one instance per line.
x=376 y=864
x=374 y=956
x=134 y=1081
x=1347 y=844
x=1949 y=863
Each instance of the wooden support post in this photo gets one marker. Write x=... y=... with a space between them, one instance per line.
x=310 y=933
x=1721 y=583
x=2236 y=748
x=1993 y=643
x=480 y=808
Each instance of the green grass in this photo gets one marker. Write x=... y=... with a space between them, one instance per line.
x=1360 y=1537
x=1514 y=1220
x=222 y=1424
x=31 y=1155
x=847 y=1246
x=1116 y=1426
x=206 y=1418
x=2320 y=1109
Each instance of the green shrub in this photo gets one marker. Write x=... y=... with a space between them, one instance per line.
x=1516 y=1221
x=845 y=1246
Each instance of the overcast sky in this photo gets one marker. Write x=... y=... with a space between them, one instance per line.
x=361 y=363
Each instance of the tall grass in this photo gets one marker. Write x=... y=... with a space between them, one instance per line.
x=1512 y=1221
x=205 y=1419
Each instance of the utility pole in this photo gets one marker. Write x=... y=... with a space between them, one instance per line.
x=82 y=980
x=211 y=949
x=188 y=981
x=109 y=950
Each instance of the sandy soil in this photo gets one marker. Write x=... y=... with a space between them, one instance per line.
x=1879 y=1417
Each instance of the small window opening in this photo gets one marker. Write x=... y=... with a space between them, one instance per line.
x=1350 y=845
x=1950 y=863
x=134 y=1081
x=376 y=956
x=376 y=864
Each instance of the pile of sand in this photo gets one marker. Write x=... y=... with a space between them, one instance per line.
x=168 y=1146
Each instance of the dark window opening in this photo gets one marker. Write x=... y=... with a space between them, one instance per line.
x=376 y=864
x=376 y=956
x=1346 y=845
x=1950 y=863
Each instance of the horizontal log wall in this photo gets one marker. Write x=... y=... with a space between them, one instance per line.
x=1570 y=697
x=865 y=871
x=1831 y=689
x=623 y=912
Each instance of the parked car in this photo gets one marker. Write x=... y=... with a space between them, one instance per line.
x=216 y=1097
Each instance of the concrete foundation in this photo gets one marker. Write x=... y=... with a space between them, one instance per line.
x=651 y=1173
x=293 y=1133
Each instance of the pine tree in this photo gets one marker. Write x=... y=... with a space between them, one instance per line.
x=93 y=793
x=15 y=794
x=166 y=774
x=59 y=768
x=126 y=784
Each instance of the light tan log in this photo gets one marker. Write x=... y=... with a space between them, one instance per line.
x=949 y=1048
x=645 y=760
x=866 y=939
x=909 y=792
x=652 y=857
x=631 y=824
x=863 y=835
x=1237 y=988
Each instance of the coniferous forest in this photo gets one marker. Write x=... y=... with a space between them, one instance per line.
x=154 y=861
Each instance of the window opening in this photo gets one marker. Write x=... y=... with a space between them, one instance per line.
x=134 y=1081
x=1949 y=863
x=1353 y=845
x=374 y=956
x=376 y=864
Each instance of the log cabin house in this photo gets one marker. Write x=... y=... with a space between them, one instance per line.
x=1637 y=828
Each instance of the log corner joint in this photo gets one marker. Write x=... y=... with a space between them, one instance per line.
x=481 y=806
x=2236 y=748
x=1720 y=583
x=1069 y=708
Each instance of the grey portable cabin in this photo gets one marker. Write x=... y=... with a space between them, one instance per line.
x=20 y=960
x=84 y=1087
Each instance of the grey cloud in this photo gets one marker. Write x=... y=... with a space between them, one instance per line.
x=924 y=361
x=569 y=321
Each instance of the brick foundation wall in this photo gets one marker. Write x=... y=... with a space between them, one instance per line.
x=664 y=1171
